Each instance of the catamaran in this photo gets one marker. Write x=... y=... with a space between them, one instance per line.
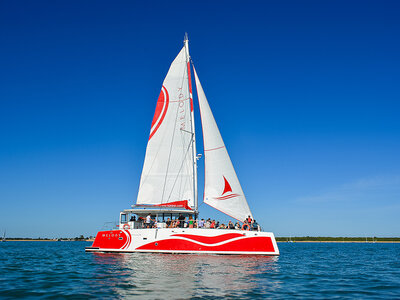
x=168 y=183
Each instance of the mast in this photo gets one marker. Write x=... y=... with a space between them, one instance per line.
x=194 y=154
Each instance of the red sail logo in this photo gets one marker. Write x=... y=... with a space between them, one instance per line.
x=161 y=110
x=227 y=191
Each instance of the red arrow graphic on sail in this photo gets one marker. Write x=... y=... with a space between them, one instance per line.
x=227 y=188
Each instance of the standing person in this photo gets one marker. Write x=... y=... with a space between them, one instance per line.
x=249 y=220
x=148 y=221
x=181 y=221
x=191 y=222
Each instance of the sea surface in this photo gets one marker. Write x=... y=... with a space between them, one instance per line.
x=307 y=270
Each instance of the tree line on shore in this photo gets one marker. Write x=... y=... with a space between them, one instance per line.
x=80 y=238
x=278 y=239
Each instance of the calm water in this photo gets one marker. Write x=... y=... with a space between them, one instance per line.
x=312 y=270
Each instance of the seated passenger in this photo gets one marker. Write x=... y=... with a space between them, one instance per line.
x=254 y=226
x=230 y=225
x=207 y=224
x=237 y=225
x=212 y=224
x=201 y=223
x=168 y=223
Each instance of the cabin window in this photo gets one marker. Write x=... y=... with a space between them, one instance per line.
x=123 y=218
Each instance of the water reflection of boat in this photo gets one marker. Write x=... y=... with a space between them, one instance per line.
x=190 y=275
x=168 y=184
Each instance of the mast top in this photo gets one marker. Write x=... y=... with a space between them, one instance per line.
x=186 y=38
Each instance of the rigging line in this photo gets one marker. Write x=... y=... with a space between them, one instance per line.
x=183 y=161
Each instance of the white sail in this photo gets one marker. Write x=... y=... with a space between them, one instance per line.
x=167 y=174
x=222 y=188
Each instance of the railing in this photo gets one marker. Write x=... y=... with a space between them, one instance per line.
x=154 y=225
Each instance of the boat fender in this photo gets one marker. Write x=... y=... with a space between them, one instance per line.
x=247 y=227
x=126 y=226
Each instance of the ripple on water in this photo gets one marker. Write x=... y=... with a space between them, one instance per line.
x=312 y=270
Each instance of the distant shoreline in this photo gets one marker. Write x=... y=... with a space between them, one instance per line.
x=308 y=239
x=360 y=242
x=49 y=240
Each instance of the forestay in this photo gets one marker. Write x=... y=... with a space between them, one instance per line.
x=222 y=188
x=167 y=174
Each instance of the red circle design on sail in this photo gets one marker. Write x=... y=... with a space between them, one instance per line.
x=161 y=110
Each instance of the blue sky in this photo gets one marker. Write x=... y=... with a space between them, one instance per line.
x=306 y=95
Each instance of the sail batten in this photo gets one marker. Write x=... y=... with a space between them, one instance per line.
x=222 y=189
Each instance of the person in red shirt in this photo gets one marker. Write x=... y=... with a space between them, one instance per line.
x=212 y=224
x=249 y=220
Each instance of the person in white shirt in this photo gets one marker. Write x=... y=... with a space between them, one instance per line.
x=207 y=224
x=148 y=221
x=201 y=223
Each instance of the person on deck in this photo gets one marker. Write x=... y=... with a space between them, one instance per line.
x=249 y=220
x=254 y=226
x=212 y=224
x=168 y=223
x=191 y=222
x=148 y=221
x=181 y=221
x=230 y=225
x=201 y=223
x=207 y=224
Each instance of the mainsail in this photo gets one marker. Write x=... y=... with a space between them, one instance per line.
x=168 y=175
x=222 y=188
